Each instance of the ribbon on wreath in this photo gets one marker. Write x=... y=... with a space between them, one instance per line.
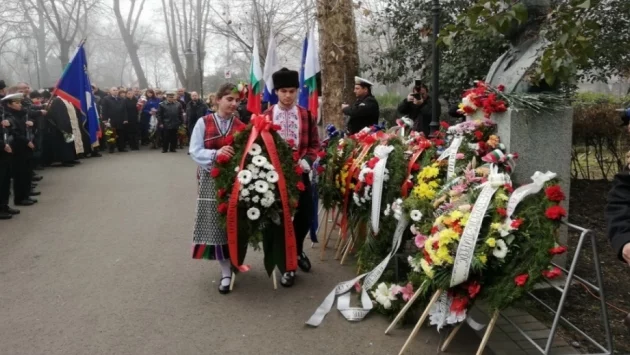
x=343 y=289
x=346 y=199
x=538 y=182
x=451 y=154
x=382 y=153
x=468 y=240
x=262 y=126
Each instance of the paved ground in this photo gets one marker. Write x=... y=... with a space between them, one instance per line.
x=101 y=265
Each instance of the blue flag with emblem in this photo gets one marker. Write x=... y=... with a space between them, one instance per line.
x=74 y=86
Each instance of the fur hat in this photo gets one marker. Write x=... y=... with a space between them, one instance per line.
x=285 y=78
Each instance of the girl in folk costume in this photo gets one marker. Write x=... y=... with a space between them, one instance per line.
x=210 y=138
x=299 y=129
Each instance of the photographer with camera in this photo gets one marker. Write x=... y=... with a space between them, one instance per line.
x=417 y=106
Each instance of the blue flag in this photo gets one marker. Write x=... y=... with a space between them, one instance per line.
x=303 y=98
x=74 y=86
x=270 y=97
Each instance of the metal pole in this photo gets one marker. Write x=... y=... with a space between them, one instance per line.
x=435 y=88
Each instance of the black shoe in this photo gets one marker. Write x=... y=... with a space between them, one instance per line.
x=96 y=155
x=304 y=263
x=165 y=151
x=33 y=185
x=76 y=162
x=9 y=210
x=37 y=178
x=67 y=164
x=135 y=148
x=112 y=151
x=35 y=193
x=123 y=150
x=173 y=151
x=288 y=279
x=26 y=202
x=224 y=290
x=5 y=215
x=34 y=200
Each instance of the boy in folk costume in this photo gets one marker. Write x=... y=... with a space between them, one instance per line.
x=299 y=129
x=210 y=138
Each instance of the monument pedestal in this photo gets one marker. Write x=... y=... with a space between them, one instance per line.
x=543 y=142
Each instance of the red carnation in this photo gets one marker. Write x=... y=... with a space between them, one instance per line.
x=299 y=170
x=221 y=193
x=223 y=207
x=459 y=303
x=469 y=110
x=553 y=273
x=222 y=159
x=291 y=142
x=520 y=280
x=473 y=289
x=517 y=223
x=444 y=124
x=300 y=186
x=557 y=250
x=229 y=140
x=438 y=142
x=275 y=127
x=369 y=178
x=321 y=154
x=555 y=213
x=501 y=88
x=555 y=193
x=501 y=211
x=296 y=156
x=415 y=167
x=508 y=188
x=320 y=169
x=434 y=230
x=369 y=140
x=478 y=135
x=215 y=172
x=372 y=162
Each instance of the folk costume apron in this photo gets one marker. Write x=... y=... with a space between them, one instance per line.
x=209 y=237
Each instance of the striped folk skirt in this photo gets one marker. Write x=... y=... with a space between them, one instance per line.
x=209 y=238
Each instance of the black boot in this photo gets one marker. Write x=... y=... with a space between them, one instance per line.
x=304 y=263
x=5 y=215
x=9 y=210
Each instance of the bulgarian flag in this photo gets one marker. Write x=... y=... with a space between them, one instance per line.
x=254 y=104
x=311 y=68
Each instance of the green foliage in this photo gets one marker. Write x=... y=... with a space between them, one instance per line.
x=389 y=100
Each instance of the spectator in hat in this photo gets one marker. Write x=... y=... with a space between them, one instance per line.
x=365 y=111
x=170 y=116
x=418 y=107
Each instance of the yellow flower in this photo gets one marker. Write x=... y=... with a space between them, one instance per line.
x=343 y=190
x=491 y=242
x=429 y=172
x=434 y=184
x=428 y=270
x=439 y=220
x=503 y=197
x=495 y=226
x=426 y=192
x=447 y=235
x=444 y=254
x=464 y=219
x=483 y=259
x=456 y=215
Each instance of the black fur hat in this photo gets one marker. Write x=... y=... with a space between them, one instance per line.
x=285 y=78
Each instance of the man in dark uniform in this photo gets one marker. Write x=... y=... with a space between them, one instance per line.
x=364 y=112
x=170 y=116
x=115 y=111
x=5 y=162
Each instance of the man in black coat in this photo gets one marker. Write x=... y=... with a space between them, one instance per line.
x=365 y=111
x=419 y=108
x=115 y=111
x=170 y=116
x=195 y=109
x=6 y=154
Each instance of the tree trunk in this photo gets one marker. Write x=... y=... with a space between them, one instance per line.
x=40 y=38
x=339 y=57
x=132 y=48
x=64 y=54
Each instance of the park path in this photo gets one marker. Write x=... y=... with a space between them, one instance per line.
x=101 y=265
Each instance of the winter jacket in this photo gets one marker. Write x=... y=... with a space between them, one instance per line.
x=195 y=110
x=171 y=115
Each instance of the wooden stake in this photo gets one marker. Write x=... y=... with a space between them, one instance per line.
x=325 y=241
x=320 y=223
x=232 y=282
x=405 y=308
x=275 y=283
x=451 y=336
x=488 y=332
x=349 y=247
x=342 y=247
x=424 y=316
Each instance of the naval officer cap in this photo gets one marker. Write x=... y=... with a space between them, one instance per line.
x=13 y=97
x=363 y=82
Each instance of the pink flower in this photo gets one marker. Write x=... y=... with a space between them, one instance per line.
x=407 y=291
x=420 y=239
x=459 y=156
x=357 y=286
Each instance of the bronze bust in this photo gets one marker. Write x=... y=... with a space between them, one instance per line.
x=513 y=68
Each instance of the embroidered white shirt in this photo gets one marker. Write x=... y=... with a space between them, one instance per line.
x=289 y=123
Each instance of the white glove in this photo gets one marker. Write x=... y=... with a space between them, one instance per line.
x=305 y=166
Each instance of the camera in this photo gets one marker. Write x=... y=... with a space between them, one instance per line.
x=416 y=96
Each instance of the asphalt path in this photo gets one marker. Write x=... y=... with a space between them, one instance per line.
x=102 y=265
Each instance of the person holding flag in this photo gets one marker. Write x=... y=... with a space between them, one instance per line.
x=299 y=128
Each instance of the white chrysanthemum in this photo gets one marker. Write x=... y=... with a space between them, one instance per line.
x=244 y=177
x=415 y=215
x=272 y=177
x=255 y=170
x=363 y=173
x=266 y=202
x=256 y=199
x=259 y=161
x=261 y=186
x=272 y=187
x=388 y=210
x=415 y=264
x=384 y=295
x=413 y=229
x=255 y=149
x=362 y=200
x=500 y=250
x=237 y=169
x=253 y=213
x=269 y=166
x=386 y=175
x=250 y=167
x=356 y=199
x=245 y=193
x=247 y=199
x=262 y=174
x=251 y=187
x=269 y=194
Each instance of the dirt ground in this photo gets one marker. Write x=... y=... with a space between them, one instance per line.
x=588 y=201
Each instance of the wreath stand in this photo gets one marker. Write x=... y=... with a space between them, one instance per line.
x=557 y=312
